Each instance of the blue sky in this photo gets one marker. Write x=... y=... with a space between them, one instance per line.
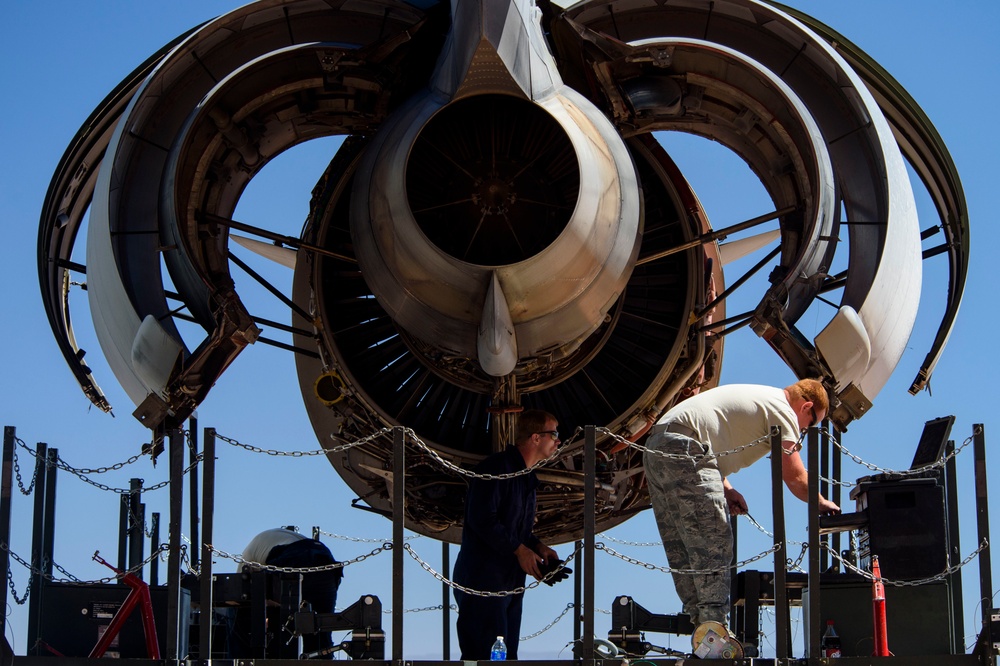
x=61 y=58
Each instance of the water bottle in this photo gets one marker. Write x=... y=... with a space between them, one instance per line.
x=830 y=644
x=499 y=650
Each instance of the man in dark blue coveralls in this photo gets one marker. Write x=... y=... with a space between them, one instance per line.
x=498 y=548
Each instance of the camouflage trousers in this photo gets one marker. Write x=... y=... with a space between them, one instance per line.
x=693 y=520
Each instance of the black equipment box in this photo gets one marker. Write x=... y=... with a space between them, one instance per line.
x=74 y=617
x=918 y=618
x=906 y=527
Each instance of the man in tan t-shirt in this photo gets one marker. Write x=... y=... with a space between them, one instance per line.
x=692 y=498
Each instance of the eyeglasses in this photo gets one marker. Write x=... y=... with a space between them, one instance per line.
x=815 y=421
x=554 y=434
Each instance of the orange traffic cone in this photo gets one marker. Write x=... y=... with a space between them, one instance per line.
x=878 y=608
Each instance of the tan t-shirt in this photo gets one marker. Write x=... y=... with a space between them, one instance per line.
x=728 y=417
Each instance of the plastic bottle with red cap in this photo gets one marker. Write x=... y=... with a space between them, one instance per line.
x=830 y=644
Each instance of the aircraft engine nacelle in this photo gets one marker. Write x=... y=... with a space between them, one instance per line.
x=500 y=229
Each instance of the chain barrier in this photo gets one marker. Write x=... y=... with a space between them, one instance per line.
x=938 y=464
x=409 y=432
x=363 y=539
x=790 y=564
x=65 y=573
x=185 y=559
x=73 y=580
x=17 y=470
x=655 y=567
x=796 y=565
x=910 y=583
x=829 y=435
x=303 y=454
x=388 y=611
x=551 y=624
x=836 y=482
x=476 y=475
x=129 y=491
x=486 y=593
x=453 y=607
x=189 y=440
x=134 y=520
x=82 y=473
x=325 y=567
x=66 y=467
x=700 y=457
x=13 y=591
x=907 y=472
x=641 y=544
x=759 y=527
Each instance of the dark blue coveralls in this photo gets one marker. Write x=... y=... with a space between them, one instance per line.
x=499 y=516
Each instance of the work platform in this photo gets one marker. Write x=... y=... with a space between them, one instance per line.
x=183 y=640
x=949 y=660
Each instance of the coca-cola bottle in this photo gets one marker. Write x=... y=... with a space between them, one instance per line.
x=830 y=644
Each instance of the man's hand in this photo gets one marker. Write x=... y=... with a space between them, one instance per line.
x=546 y=553
x=554 y=571
x=826 y=507
x=529 y=561
x=734 y=500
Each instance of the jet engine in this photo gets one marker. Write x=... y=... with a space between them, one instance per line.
x=500 y=229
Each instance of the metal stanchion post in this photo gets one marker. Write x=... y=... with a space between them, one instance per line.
x=193 y=490
x=154 y=545
x=123 y=528
x=398 y=499
x=208 y=525
x=37 y=580
x=136 y=517
x=577 y=595
x=825 y=459
x=6 y=482
x=445 y=602
x=589 y=528
x=173 y=558
x=815 y=616
x=49 y=533
x=781 y=624
x=837 y=463
x=954 y=553
x=983 y=524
